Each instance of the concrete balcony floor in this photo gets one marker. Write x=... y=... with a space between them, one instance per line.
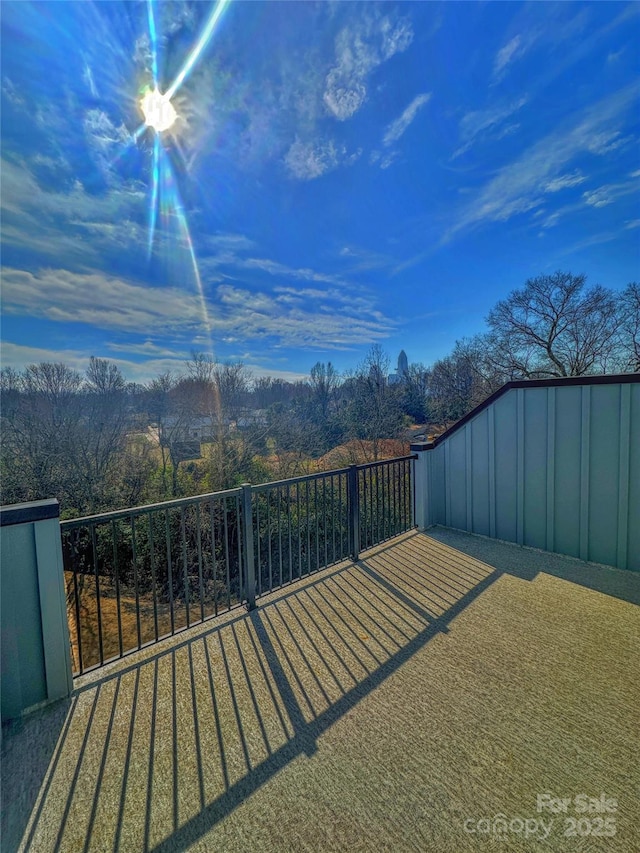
x=374 y=707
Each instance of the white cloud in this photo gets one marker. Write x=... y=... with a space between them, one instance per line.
x=632 y=223
x=36 y=219
x=147 y=348
x=598 y=198
x=275 y=268
x=516 y=188
x=304 y=318
x=389 y=159
x=478 y=122
x=19 y=356
x=609 y=193
x=395 y=130
x=564 y=182
x=309 y=160
x=506 y=55
x=335 y=317
x=360 y=48
x=607 y=140
x=99 y=300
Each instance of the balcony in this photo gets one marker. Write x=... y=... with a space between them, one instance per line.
x=295 y=666
x=375 y=705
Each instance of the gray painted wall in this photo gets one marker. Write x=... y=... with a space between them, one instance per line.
x=557 y=468
x=35 y=665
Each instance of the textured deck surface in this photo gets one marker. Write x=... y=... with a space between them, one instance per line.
x=391 y=705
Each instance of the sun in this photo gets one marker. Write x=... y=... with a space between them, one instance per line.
x=159 y=113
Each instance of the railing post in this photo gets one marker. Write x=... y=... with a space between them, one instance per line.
x=247 y=546
x=353 y=504
x=422 y=517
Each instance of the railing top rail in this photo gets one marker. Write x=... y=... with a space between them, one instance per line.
x=140 y=510
x=320 y=474
x=386 y=461
x=100 y=518
x=263 y=487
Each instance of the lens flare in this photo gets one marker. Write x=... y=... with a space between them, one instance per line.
x=153 y=41
x=200 y=45
x=159 y=113
x=153 y=209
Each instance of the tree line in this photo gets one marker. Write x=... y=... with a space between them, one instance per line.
x=96 y=442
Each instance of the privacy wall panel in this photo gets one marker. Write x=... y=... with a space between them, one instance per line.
x=604 y=472
x=630 y=515
x=479 y=497
x=506 y=470
x=534 y=460
x=555 y=467
x=566 y=471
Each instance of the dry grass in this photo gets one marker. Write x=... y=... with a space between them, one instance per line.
x=128 y=626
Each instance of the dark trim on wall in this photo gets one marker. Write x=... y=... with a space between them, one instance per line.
x=29 y=512
x=602 y=379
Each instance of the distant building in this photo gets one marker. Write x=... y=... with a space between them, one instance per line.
x=402 y=370
x=197 y=428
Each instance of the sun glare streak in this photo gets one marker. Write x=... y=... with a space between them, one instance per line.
x=198 y=48
x=171 y=197
x=160 y=114
x=153 y=39
x=153 y=210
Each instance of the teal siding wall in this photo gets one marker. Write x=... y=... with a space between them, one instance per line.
x=35 y=665
x=555 y=467
x=22 y=658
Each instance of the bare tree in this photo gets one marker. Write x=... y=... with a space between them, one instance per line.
x=104 y=376
x=372 y=410
x=629 y=308
x=102 y=430
x=555 y=327
x=324 y=380
x=40 y=422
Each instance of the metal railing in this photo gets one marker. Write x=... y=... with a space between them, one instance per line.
x=138 y=575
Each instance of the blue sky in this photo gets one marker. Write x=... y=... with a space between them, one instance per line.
x=340 y=174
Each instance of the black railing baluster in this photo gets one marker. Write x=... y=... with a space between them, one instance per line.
x=134 y=556
x=225 y=518
x=94 y=553
x=249 y=565
x=169 y=571
x=289 y=532
x=299 y=529
x=214 y=563
x=153 y=580
x=199 y=535
x=280 y=580
x=344 y=513
x=76 y=596
x=116 y=575
x=185 y=568
x=308 y=503
x=258 y=549
x=315 y=514
x=269 y=540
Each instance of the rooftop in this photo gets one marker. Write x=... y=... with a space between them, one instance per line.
x=389 y=704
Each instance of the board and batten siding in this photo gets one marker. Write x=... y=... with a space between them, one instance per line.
x=552 y=465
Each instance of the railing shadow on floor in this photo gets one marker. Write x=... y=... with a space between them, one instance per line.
x=160 y=751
